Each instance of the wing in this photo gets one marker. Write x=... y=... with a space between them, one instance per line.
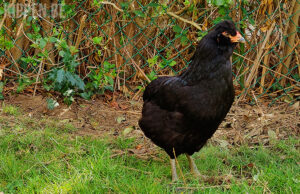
x=164 y=92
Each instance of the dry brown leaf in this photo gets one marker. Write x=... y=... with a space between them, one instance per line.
x=138 y=147
x=296 y=105
x=1 y=73
x=114 y=104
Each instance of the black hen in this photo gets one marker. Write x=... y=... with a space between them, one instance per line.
x=181 y=113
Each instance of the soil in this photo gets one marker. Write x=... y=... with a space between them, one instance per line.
x=244 y=124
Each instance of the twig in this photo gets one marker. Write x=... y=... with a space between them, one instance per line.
x=205 y=187
x=292 y=31
x=5 y=14
x=116 y=111
x=81 y=26
x=184 y=20
x=259 y=108
x=114 y=5
x=257 y=61
x=277 y=91
x=142 y=72
x=12 y=58
x=267 y=68
x=263 y=73
x=138 y=170
x=117 y=154
x=37 y=77
x=136 y=94
x=279 y=70
x=52 y=63
x=298 y=61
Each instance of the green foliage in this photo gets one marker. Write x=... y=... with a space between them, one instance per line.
x=1 y=90
x=23 y=83
x=201 y=34
x=32 y=60
x=101 y=79
x=219 y=3
x=5 y=44
x=223 y=9
x=158 y=40
x=152 y=61
x=64 y=79
x=152 y=75
x=182 y=34
x=97 y=40
x=45 y=157
x=139 y=13
x=51 y=103
x=161 y=64
x=67 y=9
x=10 y=110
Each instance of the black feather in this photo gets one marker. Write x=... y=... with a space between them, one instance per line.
x=183 y=112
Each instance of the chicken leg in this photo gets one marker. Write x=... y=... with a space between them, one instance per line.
x=173 y=168
x=193 y=167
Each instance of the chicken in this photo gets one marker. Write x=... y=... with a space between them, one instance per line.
x=180 y=113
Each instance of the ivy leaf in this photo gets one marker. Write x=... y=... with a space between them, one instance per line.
x=36 y=28
x=125 y=5
x=152 y=75
x=42 y=43
x=222 y=11
x=177 y=29
x=34 y=45
x=97 y=40
x=64 y=45
x=79 y=83
x=86 y=95
x=108 y=66
x=152 y=61
x=219 y=2
x=139 y=13
x=62 y=53
x=53 y=39
x=187 y=2
x=172 y=63
x=110 y=88
x=60 y=76
x=184 y=40
x=110 y=80
x=73 y=49
x=70 y=78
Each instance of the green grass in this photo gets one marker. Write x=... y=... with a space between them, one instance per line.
x=45 y=157
x=10 y=110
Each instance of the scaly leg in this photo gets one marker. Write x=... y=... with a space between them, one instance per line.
x=173 y=168
x=193 y=167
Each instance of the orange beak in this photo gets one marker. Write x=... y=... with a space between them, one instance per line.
x=237 y=38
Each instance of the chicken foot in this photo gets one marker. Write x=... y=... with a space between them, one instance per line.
x=193 y=167
x=173 y=169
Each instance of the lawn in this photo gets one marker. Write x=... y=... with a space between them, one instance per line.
x=45 y=156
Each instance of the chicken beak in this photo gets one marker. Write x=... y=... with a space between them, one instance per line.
x=237 y=38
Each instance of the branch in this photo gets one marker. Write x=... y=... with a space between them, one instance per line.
x=184 y=20
x=114 y=5
x=257 y=61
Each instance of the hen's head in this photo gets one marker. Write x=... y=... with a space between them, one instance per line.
x=226 y=33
